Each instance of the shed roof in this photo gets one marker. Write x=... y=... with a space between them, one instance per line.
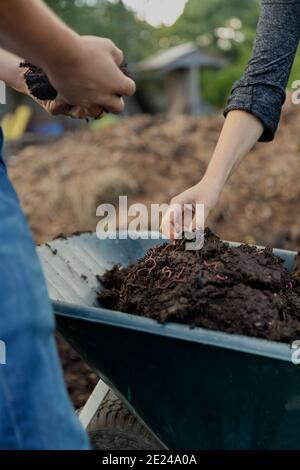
x=183 y=56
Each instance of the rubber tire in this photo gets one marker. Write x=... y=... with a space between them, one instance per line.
x=115 y=428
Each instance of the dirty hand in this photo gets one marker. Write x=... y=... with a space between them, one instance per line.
x=58 y=106
x=206 y=192
x=93 y=76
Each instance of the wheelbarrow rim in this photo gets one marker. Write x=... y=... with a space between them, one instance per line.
x=241 y=343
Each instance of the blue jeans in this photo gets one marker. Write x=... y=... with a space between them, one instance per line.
x=35 y=411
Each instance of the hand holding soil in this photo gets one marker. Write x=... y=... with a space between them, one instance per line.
x=238 y=290
x=94 y=77
x=54 y=103
x=35 y=83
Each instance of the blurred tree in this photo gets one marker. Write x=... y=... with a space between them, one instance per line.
x=201 y=20
x=225 y=26
x=107 y=19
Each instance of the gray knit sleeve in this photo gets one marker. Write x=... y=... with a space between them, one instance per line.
x=261 y=90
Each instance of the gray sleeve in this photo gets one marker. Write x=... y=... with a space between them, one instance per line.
x=261 y=90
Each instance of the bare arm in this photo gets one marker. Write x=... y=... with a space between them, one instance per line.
x=30 y=29
x=10 y=73
x=239 y=134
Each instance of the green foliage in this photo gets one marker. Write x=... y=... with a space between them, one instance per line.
x=218 y=83
x=203 y=17
x=199 y=23
x=107 y=19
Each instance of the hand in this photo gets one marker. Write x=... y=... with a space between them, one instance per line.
x=93 y=77
x=54 y=107
x=206 y=192
x=59 y=107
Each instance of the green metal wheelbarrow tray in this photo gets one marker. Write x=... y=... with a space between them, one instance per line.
x=193 y=388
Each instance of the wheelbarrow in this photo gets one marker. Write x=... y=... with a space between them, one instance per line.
x=193 y=389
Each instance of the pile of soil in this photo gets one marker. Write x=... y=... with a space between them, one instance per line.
x=238 y=290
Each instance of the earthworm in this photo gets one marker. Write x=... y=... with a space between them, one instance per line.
x=180 y=274
x=138 y=286
x=141 y=270
x=149 y=270
x=167 y=271
x=152 y=260
x=221 y=278
x=151 y=254
x=214 y=265
x=153 y=267
x=169 y=283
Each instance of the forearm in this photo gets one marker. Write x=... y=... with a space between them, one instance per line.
x=29 y=29
x=10 y=72
x=239 y=134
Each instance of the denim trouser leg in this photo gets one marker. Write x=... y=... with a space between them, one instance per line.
x=35 y=412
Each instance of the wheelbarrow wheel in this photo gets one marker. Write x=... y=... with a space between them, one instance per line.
x=115 y=428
